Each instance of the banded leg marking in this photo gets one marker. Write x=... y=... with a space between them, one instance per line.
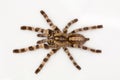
x=32 y=29
x=91 y=49
x=53 y=51
x=71 y=58
x=86 y=48
x=31 y=48
x=69 y=24
x=87 y=28
x=49 y=21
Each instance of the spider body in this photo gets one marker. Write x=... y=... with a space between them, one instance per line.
x=60 y=39
x=65 y=40
x=56 y=39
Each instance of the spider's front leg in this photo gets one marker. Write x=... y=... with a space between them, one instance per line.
x=31 y=48
x=54 y=27
x=53 y=51
x=86 y=48
x=69 y=24
x=87 y=28
x=71 y=58
x=46 y=33
x=33 y=29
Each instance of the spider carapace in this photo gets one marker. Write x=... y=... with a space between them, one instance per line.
x=56 y=39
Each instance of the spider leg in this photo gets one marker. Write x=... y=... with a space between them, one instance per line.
x=31 y=48
x=91 y=49
x=71 y=58
x=87 y=28
x=32 y=29
x=53 y=51
x=45 y=32
x=86 y=48
x=69 y=24
x=41 y=41
x=54 y=27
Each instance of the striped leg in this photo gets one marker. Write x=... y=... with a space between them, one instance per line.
x=32 y=29
x=91 y=49
x=41 y=41
x=87 y=28
x=71 y=58
x=49 y=21
x=86 y=48
x=69 y=24
x=53 y=51
x=31 y=48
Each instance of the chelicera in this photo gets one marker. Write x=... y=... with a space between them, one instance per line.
x=56 y=39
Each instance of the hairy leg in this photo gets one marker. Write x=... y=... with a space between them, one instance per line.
x=54 y=27
x=53 y=51
x=91 y=49
x=86 y=48
x=87 y=28
x=69 y=24
x=45 y=32
x=32 y=29
x=71 y=58
x=31 y=48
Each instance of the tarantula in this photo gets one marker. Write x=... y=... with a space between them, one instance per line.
x=55 y=39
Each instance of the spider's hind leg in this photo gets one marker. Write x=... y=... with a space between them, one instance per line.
x=53 y=51
x=71 y=58
x=91 y=49
x=86 y=48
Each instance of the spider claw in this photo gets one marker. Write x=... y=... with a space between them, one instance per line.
x=23 y=28
x=15 y=51
x=42 y=12
x=78 y=67
x=100 y=26
x=37 y=71
x=98 y=51
x=75 y=20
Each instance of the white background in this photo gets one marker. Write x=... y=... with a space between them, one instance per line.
x=15 y=13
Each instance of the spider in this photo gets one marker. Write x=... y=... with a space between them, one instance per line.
x=56 y=39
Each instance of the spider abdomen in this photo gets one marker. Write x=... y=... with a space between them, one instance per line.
x=77 y=39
